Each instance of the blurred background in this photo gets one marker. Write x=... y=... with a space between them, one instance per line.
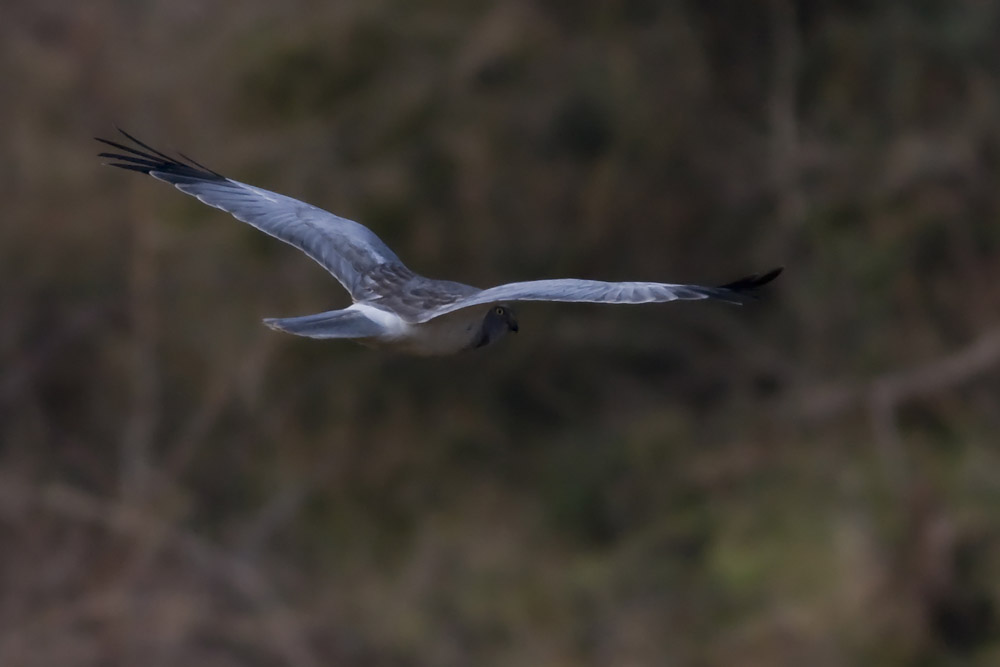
x=809 y=480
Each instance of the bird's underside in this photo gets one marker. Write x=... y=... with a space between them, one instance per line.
x=393 y=306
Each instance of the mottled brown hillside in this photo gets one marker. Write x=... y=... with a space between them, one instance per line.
x=811 y=479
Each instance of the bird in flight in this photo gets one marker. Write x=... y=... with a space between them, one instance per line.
x=392 y=306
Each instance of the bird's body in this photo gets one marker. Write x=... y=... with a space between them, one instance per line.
x=448 y=334
x=393 y=307
x=374 y=327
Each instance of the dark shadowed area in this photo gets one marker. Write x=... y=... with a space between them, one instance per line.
x=813 y=479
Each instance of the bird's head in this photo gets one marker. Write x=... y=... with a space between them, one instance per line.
x=498 y=321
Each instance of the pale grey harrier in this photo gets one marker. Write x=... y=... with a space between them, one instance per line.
x=393 y=306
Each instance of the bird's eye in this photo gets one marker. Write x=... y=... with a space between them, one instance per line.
x=499 y=310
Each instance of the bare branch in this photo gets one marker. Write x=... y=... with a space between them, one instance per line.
x=895 y=388
x=883 y=395
x=141 y=420
x=70 y=503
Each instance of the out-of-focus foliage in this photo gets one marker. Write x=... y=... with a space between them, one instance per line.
x=810 y=480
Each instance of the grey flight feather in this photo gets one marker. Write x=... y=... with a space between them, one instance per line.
x=348 y=250
x=392 y=304
x=596 y=291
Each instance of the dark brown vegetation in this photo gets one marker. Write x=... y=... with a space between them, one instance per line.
x=813 y=479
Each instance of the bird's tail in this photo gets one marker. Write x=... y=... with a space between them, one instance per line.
x=346 y=323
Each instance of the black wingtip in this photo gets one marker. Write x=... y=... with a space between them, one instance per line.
x=149 y=160
x=752 y=282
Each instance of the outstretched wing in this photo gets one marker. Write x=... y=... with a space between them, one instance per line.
x=595 y=291
x=350 y=251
